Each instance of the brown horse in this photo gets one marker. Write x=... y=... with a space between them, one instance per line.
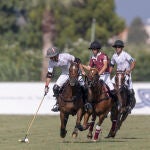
x=98 y=96
x=70 y=100
x=123 y=96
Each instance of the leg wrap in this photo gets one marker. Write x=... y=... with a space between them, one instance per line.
x=97 y=132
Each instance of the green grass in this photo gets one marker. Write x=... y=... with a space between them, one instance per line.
x=44 y=134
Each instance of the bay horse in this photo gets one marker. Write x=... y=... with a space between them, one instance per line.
x=101 y=101
x=123 y=101
x=123 y=96
x=70 y=100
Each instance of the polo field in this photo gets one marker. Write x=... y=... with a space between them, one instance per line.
x=44 y=134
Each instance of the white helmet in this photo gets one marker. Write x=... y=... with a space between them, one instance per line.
x=51 y=52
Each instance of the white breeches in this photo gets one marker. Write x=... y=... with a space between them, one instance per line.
x=128 y=81
x=64 y=77
x=106 y=79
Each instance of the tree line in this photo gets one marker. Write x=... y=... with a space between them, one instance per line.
x=28 y=29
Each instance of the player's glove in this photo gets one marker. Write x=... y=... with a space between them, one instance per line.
x=46 y=89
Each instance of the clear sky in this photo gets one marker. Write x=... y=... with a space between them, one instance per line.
x=129 y=9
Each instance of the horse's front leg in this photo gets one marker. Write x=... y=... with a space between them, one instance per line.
x=122 y=119
x=98 y=126
x=85 y=125
x=115 y=115
x=87 y=114
x=64 y=120
x=78 y=123
x=90 y=133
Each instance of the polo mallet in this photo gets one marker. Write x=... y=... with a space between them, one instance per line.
x=25 y=139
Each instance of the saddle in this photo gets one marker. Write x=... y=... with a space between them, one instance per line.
x=73 y=99
x=105 y=88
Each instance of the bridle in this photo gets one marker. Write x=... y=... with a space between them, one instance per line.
x=73 y=73
x=120 y=79
x=92 y=77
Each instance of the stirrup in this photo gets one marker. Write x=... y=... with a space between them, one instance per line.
x=55 y=95
x=88 y=107
x=55 y=108
x=129 y=109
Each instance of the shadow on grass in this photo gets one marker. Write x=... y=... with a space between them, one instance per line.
x=91 y=141
x=128 y=138
x=104 y=140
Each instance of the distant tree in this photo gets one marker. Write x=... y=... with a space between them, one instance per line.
x=137 y=33
x=76 y=21
x=40 y=24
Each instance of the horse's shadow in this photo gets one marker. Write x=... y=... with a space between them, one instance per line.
x=128 y=138
x=112 y=140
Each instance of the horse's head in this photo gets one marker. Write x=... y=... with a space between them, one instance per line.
x=120 y=79
x=73 y=73
x=93 y=77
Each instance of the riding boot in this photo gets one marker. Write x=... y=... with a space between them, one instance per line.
x=56 y=90
x=55 y=107
x=87 y=105
x=132 y=100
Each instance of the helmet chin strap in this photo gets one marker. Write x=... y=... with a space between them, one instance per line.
x=56 y=58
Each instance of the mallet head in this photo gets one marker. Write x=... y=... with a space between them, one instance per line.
x=25 y=140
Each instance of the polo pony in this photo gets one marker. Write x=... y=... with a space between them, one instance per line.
x=123 y=101
x=102 y=102
x=70 y=100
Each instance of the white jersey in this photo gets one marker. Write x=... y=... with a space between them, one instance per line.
x=64 y=60
x=122 y=60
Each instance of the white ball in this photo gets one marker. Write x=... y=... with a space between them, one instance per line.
x=26 y=140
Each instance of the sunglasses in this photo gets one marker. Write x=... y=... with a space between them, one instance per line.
x=118 y=46
x=53 y=57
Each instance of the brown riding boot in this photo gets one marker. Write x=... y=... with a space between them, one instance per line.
x=87 y=106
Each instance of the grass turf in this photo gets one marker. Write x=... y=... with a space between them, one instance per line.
x=44 y=134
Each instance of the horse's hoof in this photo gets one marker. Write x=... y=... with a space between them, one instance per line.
x=110 y=136
x=80 y=127
x=89 y=136
x=63 y=133
x=94 y=140
x=74 y=135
